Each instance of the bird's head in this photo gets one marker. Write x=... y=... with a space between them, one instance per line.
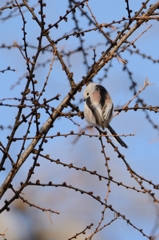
x=89 y=90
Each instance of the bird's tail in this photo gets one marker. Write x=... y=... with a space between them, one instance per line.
x=119 y=140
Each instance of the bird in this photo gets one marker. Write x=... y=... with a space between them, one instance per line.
x=99 y=108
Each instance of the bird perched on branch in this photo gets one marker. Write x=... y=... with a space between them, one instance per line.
x=98 y=108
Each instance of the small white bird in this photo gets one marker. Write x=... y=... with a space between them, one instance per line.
x=98 y=108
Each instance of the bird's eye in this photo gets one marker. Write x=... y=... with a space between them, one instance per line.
x=87 y=94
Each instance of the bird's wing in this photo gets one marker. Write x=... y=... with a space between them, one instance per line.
x=96 y=110
x=103 y=105
x=89 y=116
x=107 y=112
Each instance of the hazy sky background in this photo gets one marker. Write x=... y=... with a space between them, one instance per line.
x=78 y=211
